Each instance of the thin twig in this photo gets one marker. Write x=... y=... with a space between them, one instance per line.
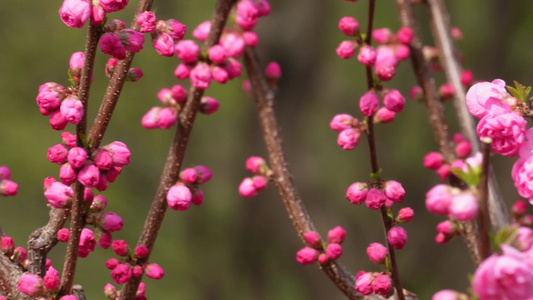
x=176 y=153
x=449 y=59
x=483 y=211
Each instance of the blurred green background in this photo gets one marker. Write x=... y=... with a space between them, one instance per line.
x=231 y=247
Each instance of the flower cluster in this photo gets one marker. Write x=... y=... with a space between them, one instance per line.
x=463 y=148
x=250 y=186
x=520 y=215
x=117 y=40
x=33 y=285
x=375 y=197
x=61 y=104
x=7 y=187
x=317 y=251
x=186 y=190
x=378 y=283
x=75 y=13
x=111 y=293
x=134 y=74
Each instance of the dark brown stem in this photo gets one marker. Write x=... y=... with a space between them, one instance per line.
x=449 y=58
x=436 y=112
x=483 y=211
x=9 y=277
x=176 y=153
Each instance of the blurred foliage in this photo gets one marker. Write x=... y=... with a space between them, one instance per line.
x=230 y=247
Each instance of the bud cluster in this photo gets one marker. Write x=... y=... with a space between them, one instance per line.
x=186 y=190
x=463 y=148
x=250 y=186
x=7 y=187
x=321 y=252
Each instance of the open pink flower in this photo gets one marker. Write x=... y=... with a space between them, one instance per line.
x=481 y=96
x=506 y=129
x=74 y=13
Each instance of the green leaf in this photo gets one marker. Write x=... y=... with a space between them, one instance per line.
x=70 y=79
x=504 y=235
x=521 y=92
x=375 y=176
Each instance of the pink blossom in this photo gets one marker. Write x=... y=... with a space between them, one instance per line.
x=89 y=176
x=74 y=13
x=137 y=272
x=111 y=263
x=57 y=154
x=356 y=192
x=112 y=45
x=99 y=204
x=522 y=174
x=385 y=72
x=208 y=105
x=405 y=35
x=119 y=153
x=7 y=245
x=189 y=175
x=506 y=129
x=375 y=198
x=48 y=101
x=132 y=40
x=57 y=120
x=255 y=163
x=247 y=188
x=349 y=26
x=383 y=115
x=201 y=76
x=394 y=191
x=406 y=214
x=8 y=187
x=336 y=235
x=162 y=43
x=445 y=295
x=367 y=55
x=382 y=285
x=4 y=173
x=333 y=251
x=467 y=77
x=20 y=254
x=141 y=251
x=197 y=197
x=346 y=49
x=247 y=14
x=505 y=276
x=394 y=101
x=67 y=174
x=341 y=122
x=377 y=253
x=113 y=5
x=402 y=52
x=369 y=103
x=68 y=297
x=87 y=242
x=382 y=35
x=63 y=235
x=175 y=29
x=397 y=237
x=110 y=291
x=109 y=221
x=438 y=199
x=51 y=279
x=202 y=30
x=179 y=197
x=259 y=182
x=112 y=174
x=250 y=38
x=217 y=54
x=233 y=44
x=483 y=95
x=31 y=285
x=103 y=160
x=120 y=247
x=519 y=209
x=187 y=51
x=348 y=139
x=182 y=71
x=312 y=238
x=76 y=62
x=447 y=90
x=307 y=255
x=463 y=148
x=204 y=173
x=98 y=15
x=77 y=157
x=416 y=93
x=146 y=21
x=154 y=271
x=59 y=195
x=219 y=74
x=105 y=240
x=526 y=150
x=463 y=207
x=72 y=110
x=178 y=93
x=233 y=67
x=121 y=274
x=524 y=238
x=363 y=284
x=152 y=119
x=263 y=7
x=433 y=160
x=273 y=70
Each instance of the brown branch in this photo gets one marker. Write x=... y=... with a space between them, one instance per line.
x=436 y=111
x=440 y=24
x=176 y=153
x=9 y=277
x=483 y=211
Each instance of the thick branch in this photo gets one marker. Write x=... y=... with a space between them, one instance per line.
x=440 y=24
x=9 y=277
x=176 y=153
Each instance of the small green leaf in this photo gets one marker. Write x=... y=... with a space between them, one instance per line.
x=389 y=214
x=513 y=92
x=528 y=90
x=375 y=176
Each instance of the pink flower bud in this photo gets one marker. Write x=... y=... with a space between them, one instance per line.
x=99 y=204
x=382 y=35
x=416 y=93
x=336 y=235
x=323 y=258
x=250 y=38
x=349 y=26
x=63 y=235
x=234 y=68
x=97 y=15
x=219 y=74
x=405 y=215
x=77 y=157
x=154 y=271
x=394 y=191
x=4 y=173
x=74 y=13
x=394 y=101
x=367 y=55
x=103 y=160
x=47 y=182
x=51 y=280
x=165 y=97
x=112 y=174
x=89 y=176
x=189 y=175
x=456 y=33
x=217 y=54
x=57 y=120
x=110 y=291
x=369 y=103
x=377 y=253
x=8 y=188
x=519 y=209
x=175 y=29
x=254 y=164
x=405 y=35
x=342 y=121
x=402 y=52
x=105 y=240
x=467 y=77
x=68 y=297
x=120 y=247
x=137 y=272
x=447 y=90
x=200 y=76
x=483 y=95
x=208 y=105
x=19 y=254
x=146 y=21
x=197 y=197
x=348 y=139
x=433 y=160
x=76 y=63
x=57 y=154
x=247 y=14
x=67 y=174
x=346 y=49
x=121 y=274
x=463 y=149
x=111 y=44
x=397 y=237
x=356 y=192
x=363 y=284
x=179 y=197
x=382 y=285
x=119 y=153
x=247 y=188
x=134 y=74
x=333 y=251
x=140 y=291
x=59 y=195
x=375 y=198
x=383 y=115
x=259 y=182
x=438 y=199
x=307 y=255
x=204 y=173
x=31 y=285
x=7 y=245
x=187 y=51
x=113 y=5
x=182 y=71
x=445 y=295
x=202 y=30
x=524 y=238
x=109 y=221
x=162 y=43
x=141 y=251
x=87 y=242
x=312 y=238
x=443 y=172
x=385 y=72
x=463 y=207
